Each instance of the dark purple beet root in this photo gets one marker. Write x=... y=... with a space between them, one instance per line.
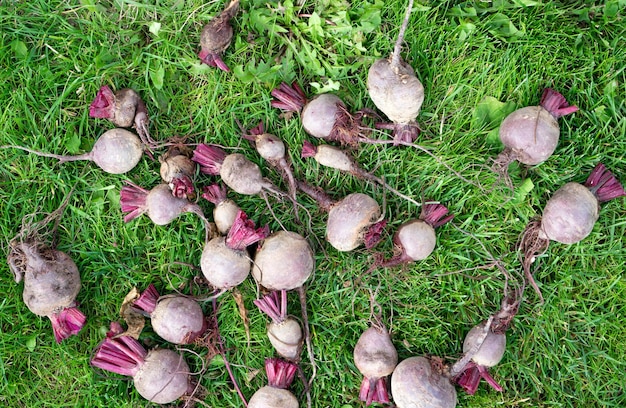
x=280 y=375
x=216 y=37
x=177 y=171
x=124 y=108
x=51 y=283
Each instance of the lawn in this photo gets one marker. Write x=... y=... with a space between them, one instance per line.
x=477 y=60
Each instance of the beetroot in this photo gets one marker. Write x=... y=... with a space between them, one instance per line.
x=396 y=91
x=280 y=375
x=177 y=170
x=324 y=116
x=352 y=221
x=237 y=172
x=159 y=375
x=51 y=283
x=490 y=350
x=177 y=319
x=376 y=357
x=225 y=210
x=159 y=204
x=415 y=239
x=284 y=261
x=116 y=151
x=272 y=149
x=225 y=263
x=530 y=134
x=216 y=37
x=418 y=383
x=569 y=215
x=284 y=331
x=124 y=108
x=336 y=158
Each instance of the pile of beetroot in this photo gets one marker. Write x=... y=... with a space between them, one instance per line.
x=194 y=175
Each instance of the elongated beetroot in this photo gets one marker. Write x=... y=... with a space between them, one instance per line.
x=376 y=357
x=569 y=215
x=216 y=37
x=51 y=283
x=177 y=319
x=225 y=210
x=280 y=375
x=336 y=158
x=325 y=116
x=159 y=375
x=417 y=383
x=396 y=91
x=225 y=263
x=124 y=108
x=352 y=221
x=530 y=135
x=116 y=151
x=284 y=331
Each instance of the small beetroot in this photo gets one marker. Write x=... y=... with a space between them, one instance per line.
x=116 y=151
x=280 y=375
x=284 y=331
x=177 y=171
x=124 y=108
x=225 y=263
x=396 y=91
x=237 y=172
x=415 y=239
x=216 y=37
x=324 y=116
x=376 y=357
x=158 y=204
x=225 y=210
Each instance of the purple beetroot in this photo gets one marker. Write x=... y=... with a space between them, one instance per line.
x=530 y=135
x=569 y=215
x=177 y=171
x=284 y=331
x=216 y=37
x=175 y=318
x=415 y=239
x=124 y=108
x=51 y=283
x=325 y=116
x=159 y=375
x=280 y=375
x=225 y=210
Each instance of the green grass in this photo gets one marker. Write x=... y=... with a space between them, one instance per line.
x=569 y=352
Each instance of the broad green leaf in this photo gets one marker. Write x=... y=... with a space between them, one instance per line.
x=20 y=51
x=523 y=190
x=329 y=86
x=501 y=26
x=73 y=143
x=31 y=343
x=157 y=75
x=490 y=112
x=154 y=27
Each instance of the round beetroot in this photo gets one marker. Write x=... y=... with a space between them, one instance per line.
x=415 y=384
